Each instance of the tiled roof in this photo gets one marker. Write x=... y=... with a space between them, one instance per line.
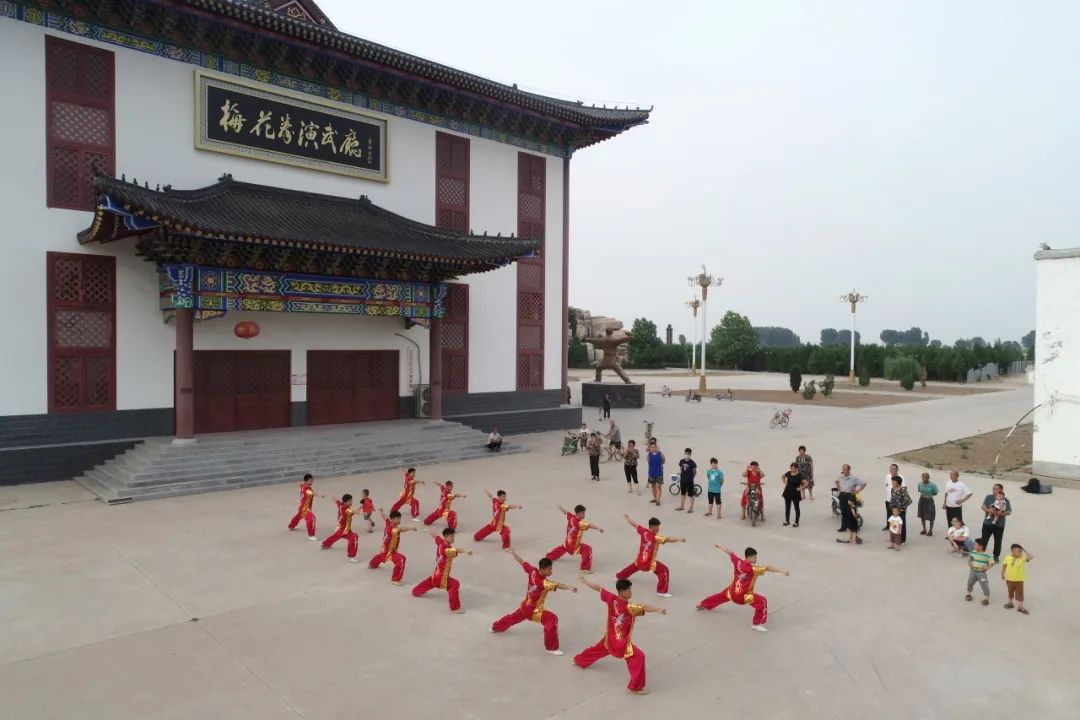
x=255 y=13
x=247 y=213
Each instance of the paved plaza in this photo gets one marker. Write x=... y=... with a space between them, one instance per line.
x=206 y=607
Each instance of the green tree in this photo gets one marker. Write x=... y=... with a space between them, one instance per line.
x=645 y=349
x=827 y=385
x=734 y=340
x=864 y=376
x=907 y=380
x=795 y=378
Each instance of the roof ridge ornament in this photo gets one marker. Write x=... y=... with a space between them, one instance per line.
x=227 y=177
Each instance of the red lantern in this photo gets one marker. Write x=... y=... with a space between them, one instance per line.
x=246 y=329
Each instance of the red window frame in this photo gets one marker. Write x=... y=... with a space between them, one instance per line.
x=55 y=305
x=62 y=89
x=457 y=314
x=531 y=223
x=451 y=166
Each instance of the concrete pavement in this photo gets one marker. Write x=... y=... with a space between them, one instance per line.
x=205 y=606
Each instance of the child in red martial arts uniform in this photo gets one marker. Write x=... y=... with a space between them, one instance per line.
x=499 y=508
x=532 y=607
x=344 y=528
x=304 y=511
x=446 y=497
x=646 y=561
x=389 y=550
x=408 y=495
x=741 y=590
x=576 y=526
x=445 y=552
x=616 y=642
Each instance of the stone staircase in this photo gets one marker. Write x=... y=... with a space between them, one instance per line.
x=155 y=468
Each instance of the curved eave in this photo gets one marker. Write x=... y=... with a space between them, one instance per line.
x=108 y=226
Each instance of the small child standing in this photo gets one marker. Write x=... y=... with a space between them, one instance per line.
x=979 y=561
x=896 y=528
x=367 y=506
x=716 y=482
x=1013 y=572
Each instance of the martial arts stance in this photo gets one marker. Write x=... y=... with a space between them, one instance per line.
x=620 y=626
x=576 y=525
x=304 y=511
x=389 y=550
x=344 y=528
x=445 y=552
x=532 y=607
x=446 y=497
x=646 y=561
x=408 y=495
x=741 y=590
x=499 y=508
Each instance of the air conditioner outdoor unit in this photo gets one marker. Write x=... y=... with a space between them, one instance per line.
x=423 y=400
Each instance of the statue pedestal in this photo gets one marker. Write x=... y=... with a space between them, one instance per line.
x=623 y=395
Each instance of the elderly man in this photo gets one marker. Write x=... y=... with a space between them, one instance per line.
x=849 y=485
x=614 y=435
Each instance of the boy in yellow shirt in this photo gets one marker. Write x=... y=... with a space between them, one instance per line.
x=1013 y=572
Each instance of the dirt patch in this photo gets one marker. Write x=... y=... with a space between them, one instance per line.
x=976 y=453
x=932 y=389
x=786 y=398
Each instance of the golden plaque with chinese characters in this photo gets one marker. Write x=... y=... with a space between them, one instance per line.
x=255 y=120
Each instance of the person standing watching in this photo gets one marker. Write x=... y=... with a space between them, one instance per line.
x=894 y=471
x=655 y=460
x=593 y=449
x=607 y=405
x=794 y=484
x=848 y=485
x=956 y=494
x=997 y=507
x=900 y=500
x=806 y=469
x=927 y=509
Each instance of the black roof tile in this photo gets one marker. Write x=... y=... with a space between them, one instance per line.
x=244 y=212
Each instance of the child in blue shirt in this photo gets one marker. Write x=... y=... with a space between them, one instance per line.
x=716 y=481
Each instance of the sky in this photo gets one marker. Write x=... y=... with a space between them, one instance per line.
x=918 y=152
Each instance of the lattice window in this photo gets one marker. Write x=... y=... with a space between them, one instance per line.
x=531 y=306
x=80 y=120
x=531 y=338
x=530 y=275
x=455 y=340
x=453 y=336
x=452 y=182
x=81 y=312
x=531 y=200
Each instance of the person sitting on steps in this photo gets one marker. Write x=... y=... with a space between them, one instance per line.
x=494 y=440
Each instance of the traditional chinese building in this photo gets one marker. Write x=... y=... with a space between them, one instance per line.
x=227 y=214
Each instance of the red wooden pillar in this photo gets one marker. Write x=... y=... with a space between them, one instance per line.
x=565 y=279
x=183 y=383
x=435 y=367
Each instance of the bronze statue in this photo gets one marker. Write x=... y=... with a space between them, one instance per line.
x=610 y=361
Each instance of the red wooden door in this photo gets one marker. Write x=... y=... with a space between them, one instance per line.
x=347 y=386
x=241 y=390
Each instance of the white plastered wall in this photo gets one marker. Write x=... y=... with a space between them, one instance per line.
x=1057 y=364
x=155 y=143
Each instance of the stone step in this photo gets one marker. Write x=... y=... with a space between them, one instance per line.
x=157 y=468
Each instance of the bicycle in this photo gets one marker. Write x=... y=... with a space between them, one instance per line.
x=725 y=395
x=676 y=488
x=691 y=395
x=570 y=443
x=781 y=418
x=609 y=452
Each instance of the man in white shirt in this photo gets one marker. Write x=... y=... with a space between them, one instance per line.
x=894 y=470
x=956 y=494
x=494 y=440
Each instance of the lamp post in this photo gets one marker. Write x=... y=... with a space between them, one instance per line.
x=853 y=298
x=693 y=303
x=704 y=281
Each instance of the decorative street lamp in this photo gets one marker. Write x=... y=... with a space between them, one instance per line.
x=693 y=303
x=704 y=281
x=853 y=298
